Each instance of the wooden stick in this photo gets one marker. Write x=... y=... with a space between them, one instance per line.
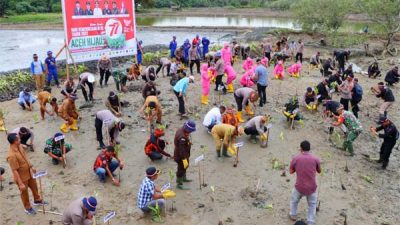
x=237 y=158
x=59 y=52
x=51 y=212
x=267 y=137
x=200 y=175
x=66 y=58
x=72 y=58
x=41 y=193
x=202 y=167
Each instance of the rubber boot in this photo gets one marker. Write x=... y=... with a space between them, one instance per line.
x=2 y=128
x=248 y=111
x=253 y=139
x=179 y=184
x=185 y=179
x=225 y=153
x=74 y=125
x=204 y=100
x=230 y=88
x=64 y=128
x=239 y=116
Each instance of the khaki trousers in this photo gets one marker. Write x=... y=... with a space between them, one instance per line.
x=30 y=184
x=39 y=80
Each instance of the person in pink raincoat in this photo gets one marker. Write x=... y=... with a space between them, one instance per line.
x=248 y=64
x=246 y=80
x=279 y=70
x=207 y=73
x=295 y=69
x=230 y=72
x=226 y=54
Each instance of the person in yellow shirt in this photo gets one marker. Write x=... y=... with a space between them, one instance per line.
x=224 y=136
x=152 y=108
x=45 y=97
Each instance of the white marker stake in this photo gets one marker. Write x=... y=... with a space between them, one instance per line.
x=237 y=145
x=38 y=175
x=197 y=162
x=109 y=217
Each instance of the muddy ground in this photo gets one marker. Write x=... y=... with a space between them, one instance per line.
x=252 y=193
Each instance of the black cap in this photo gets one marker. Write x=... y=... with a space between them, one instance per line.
x=151 y=171
x=382 y=119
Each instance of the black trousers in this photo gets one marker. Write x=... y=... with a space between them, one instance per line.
x=341 y=65
x=197 y=62
x=345 y=103
x=239 y=101
x=180 y=171
x=268 y=55
x=160 y=66
x=252 y=131
x=262 y=94
x=181 y=102
x=104 y=75
x=386 y=150
x=218 y=82
x=355 y=108
x=299 y=56
x=25 y=138
x=155 y=156
x=99 y=132
x=84 y=92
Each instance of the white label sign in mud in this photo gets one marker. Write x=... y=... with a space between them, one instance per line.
x=40 y=174
x=165 y=187
x=269 y=126
x=109 y=216
x=198 y=159
x=238 y=145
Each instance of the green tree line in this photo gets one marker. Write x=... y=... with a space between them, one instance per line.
x=29 y=6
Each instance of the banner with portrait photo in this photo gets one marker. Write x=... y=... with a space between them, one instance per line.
x=99 y=27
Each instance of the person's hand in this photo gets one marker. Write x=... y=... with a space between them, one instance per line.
x=118 y=114
x=22 y=187
x=33 y=170
x=180 y=94
x=61 y=158
x=116 y=182
x=121 y=165
x=89 y=216
x=24 y=146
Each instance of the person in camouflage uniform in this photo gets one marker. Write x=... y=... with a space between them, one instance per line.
x=353 y=128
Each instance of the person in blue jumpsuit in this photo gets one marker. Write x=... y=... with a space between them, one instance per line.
x=186 y=47
x=205 y=42
x=172 y=47
x=139 y=53
x=51 y=68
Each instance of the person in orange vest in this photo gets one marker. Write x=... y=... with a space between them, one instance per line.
x=155 y=146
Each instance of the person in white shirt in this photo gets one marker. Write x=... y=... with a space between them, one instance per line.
x=97 y=11
x=213 y=117
x=37 y=70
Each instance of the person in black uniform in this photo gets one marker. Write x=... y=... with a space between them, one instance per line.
x=390 y=136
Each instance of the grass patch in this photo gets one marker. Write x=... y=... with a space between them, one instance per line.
x=33 y=18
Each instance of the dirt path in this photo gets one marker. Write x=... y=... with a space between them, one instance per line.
x=236 y=199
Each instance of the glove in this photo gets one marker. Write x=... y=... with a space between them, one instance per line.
x=168 y=194
x=263 y=136
x=232 y=150
x=185 y=163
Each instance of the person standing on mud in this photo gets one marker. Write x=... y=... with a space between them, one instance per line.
x=341 y=57
x=390 y=136
x=305 y=165
x=183 y=144
x=69 y=114
x=356 y=97
x=105 y=68
x=261 y=77
x=243 y=97
x=194 y=58
x=172 y=47
x=37 y=70
x=345 y=91
x=51 y=69
x=220 y=68
x=267 y=49
x=23 y=171
x=353 y=128
x=45 y=97
x=300 y=51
